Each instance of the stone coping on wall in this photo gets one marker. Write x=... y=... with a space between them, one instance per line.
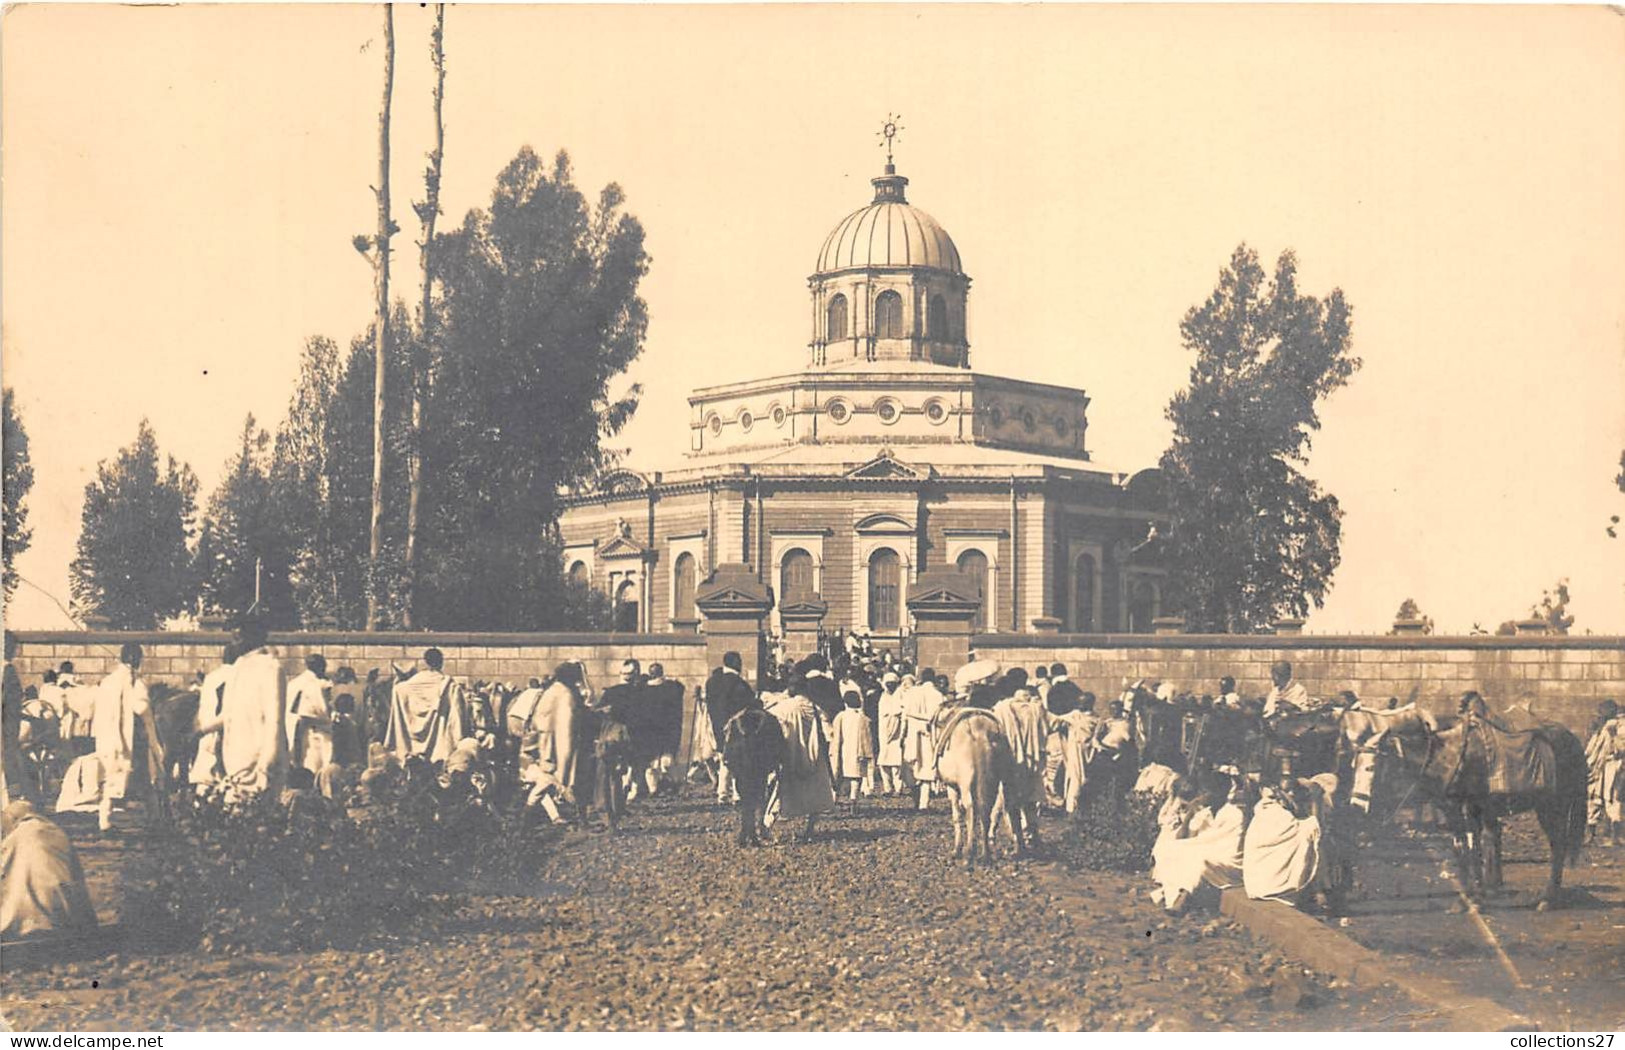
x=1587 y=642
x=426 y=639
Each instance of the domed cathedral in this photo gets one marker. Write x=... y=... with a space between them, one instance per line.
x=883 y=458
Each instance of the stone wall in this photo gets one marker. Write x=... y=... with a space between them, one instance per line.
x=174 y=657
x=1564 y=676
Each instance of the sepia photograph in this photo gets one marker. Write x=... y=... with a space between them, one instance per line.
x=813 y=517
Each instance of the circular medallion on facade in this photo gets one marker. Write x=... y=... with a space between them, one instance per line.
x=888 y=410
x=936 y=411
x=995 y=416
x=1061 y=426
x=746 y=420
x=714 y=423
x=778 y=415
x=1029 y=421
x=839 y=411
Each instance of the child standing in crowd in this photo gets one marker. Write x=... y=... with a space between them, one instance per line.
x=850 y=747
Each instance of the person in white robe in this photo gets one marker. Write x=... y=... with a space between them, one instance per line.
x=253 y=744
x=42 y=885
x=1285 y=695
x=121 y=702
x=890 y=732
x=803 y=787
x=1077 y=728
x=1208 y=849
x=426 y=712
x=546 y=722
x=205 y=770
x=310 y=717
x=920 y=707
x=850 y=749
x=1026 y=725
x=1282 y=853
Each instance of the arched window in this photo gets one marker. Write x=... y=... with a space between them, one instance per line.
x=682 y=597
x=837 y=319
x=795 y=576
x=1142 y=605
x=974 y=564
x=885 y=582
x=889 y=316
x=626 y=607
x=939 y=319
x=578 y=573
x=1083 y=594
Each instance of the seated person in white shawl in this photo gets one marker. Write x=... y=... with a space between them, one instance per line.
x=804 y=787
x=42 y=886
x=1284 y=851
x=1200 y=843
x=426 y=712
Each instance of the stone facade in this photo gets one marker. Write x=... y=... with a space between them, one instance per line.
x=886 y=457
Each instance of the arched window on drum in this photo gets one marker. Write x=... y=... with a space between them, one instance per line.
x=885 y=585
x=973 y=563
x=795 y=577
x=835 y=329
x=1083 y=594
x=938 y=320
x=684 y=576
x=888 y=315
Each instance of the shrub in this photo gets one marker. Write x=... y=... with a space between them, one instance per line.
x=271 y=877
x=1101 y=840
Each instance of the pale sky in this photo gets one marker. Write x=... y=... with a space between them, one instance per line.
x=181 y=186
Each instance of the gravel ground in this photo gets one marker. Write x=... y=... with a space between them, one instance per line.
x=668 y=926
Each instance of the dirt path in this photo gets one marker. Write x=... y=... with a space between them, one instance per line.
x=1568 y=961
x=668 y=926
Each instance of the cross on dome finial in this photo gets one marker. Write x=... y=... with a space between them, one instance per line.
x=889 y=132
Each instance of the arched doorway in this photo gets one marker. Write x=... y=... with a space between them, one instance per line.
x=1083 y=594
x=973 y=563
x=626 y=607
x=683 y=581
x=885 y=583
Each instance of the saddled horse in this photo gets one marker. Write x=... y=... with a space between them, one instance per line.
x=1482 y=774
x=973 y=764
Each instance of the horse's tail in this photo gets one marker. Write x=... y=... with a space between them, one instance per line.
x=1576 y=826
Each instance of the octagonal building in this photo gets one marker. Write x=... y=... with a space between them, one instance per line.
x=886 y=456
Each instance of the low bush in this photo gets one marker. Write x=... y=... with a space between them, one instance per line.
x=1099 y=839
x=266 y=876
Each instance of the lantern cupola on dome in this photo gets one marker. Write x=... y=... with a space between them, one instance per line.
x=888 y=285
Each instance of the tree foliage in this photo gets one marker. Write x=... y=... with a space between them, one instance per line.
x=1409 y=610
x=19 y=478
x=541 y=314
x=243 y=555
x=1252 y=539
x=134 y=562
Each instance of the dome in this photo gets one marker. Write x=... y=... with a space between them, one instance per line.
x=888 y=232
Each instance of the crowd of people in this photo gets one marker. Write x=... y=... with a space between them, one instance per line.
x=855 y=723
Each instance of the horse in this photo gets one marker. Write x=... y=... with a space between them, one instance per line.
x=973 y=764
x=174 y=713
x=1305 y=741
x=1477 y=789
x=753 y=748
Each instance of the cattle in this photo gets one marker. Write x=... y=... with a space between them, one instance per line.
x=973 y=764
x=753 y=748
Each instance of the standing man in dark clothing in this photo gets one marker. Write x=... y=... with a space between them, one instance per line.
x=663 y=725
x=726 y=694
x=1064 y=693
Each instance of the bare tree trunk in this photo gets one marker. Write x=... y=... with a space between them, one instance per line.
x=428 y=211
x=380 y=262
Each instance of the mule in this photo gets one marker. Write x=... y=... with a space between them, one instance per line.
x=753 y=748
x=973 y=764
x=1457 y=771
